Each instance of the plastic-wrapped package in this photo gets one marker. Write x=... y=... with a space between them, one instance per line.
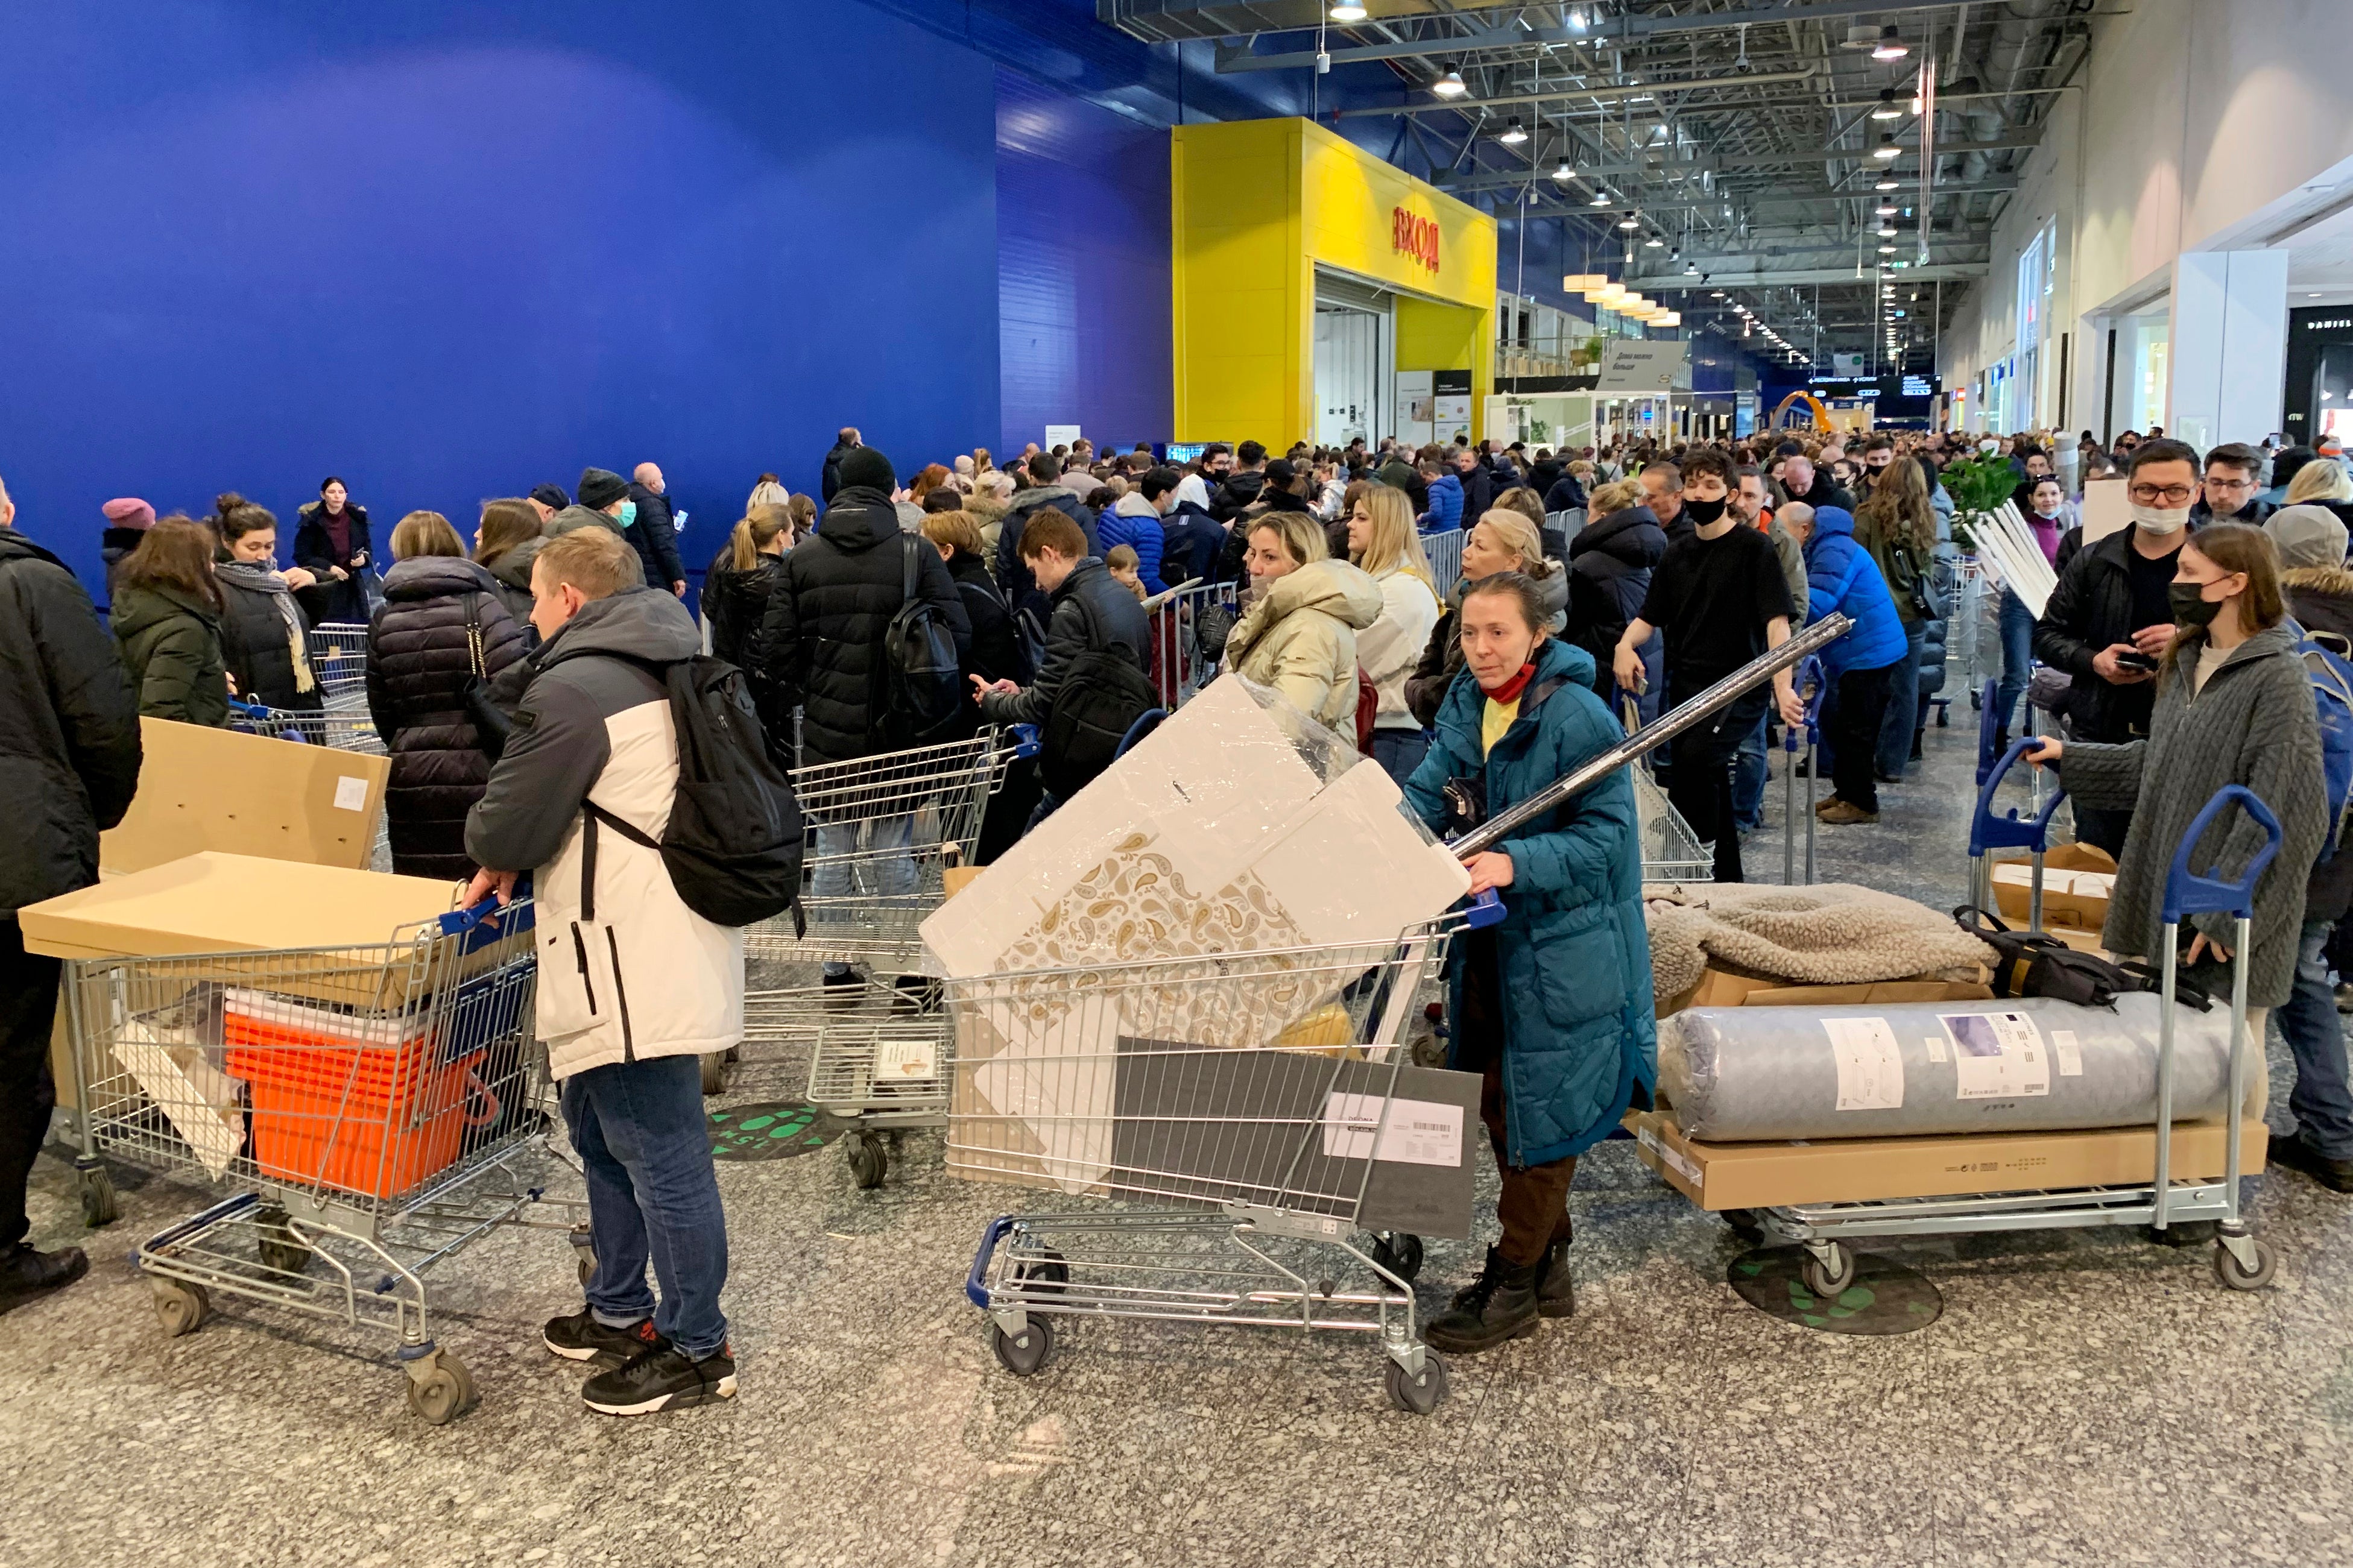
x=2032 y=1063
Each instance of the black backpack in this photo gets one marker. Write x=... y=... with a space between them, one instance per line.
x=733 y=846
x=1103 y=692
x=2027 y=965
x=922 y=679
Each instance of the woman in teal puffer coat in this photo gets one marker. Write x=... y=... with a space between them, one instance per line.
x=1552 y=1006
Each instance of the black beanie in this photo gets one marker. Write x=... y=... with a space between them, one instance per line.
x=551 y=496
x=865 y=465
x=600 y=487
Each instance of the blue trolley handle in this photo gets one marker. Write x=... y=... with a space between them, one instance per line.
x=2187 y=893
x=976 y=1289
x=2010 y=830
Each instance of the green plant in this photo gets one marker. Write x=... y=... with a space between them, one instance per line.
x=1978 y=485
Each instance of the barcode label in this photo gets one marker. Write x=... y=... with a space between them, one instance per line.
x=1416 y=1131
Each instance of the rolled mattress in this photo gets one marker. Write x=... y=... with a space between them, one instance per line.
x=1748 y=1074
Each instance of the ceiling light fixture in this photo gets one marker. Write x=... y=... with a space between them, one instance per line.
x=1691 y=268
x=1891 y=46
x=1886 y=231
x=1630 y=222
x=1584 y=282
x=1887 y=148
x=1565 y=172
x=1654 y=243
x=1449 y=83
x=1669 y=319
x=1887 y=250
x=1600 y=199
x=1886 y=209
x=1886 y=109
x=1347 y=11
x=1514 y=134
x=1889 y=182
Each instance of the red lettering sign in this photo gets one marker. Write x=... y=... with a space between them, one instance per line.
x=1413 y=235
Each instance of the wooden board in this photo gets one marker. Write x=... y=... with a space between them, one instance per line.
x=205 y=789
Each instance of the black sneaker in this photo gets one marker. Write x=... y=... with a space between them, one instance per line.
x=1500 y=1305
x=581 y=1337
x=25 y=1273
x=2293 y=1151
x=662 y=1379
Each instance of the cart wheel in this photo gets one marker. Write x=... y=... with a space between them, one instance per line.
x=1420 y=1394
x=1023 y=1354
x=443 y=1395
x=182 y=1308
x=1744 y=1224
x=278 y=1251
x=868 y=1163
x=98 y=1206
x=2228 y=1269
x=1044 y=1272
x=1399 y=1252
x=1829 y=1280
x=714 y=1072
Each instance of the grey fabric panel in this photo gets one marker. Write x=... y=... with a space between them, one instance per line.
x=1737 y=1074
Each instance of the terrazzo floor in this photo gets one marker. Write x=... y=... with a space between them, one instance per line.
x=2082 y=1399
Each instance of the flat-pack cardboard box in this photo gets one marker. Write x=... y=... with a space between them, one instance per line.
x=1721 y=988
x=214 y=903
x=2076 y=881
x=1858 y=1170
x=201 y=789
x=1228 y=831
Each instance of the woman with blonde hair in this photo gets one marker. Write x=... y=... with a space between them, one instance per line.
x=2323 y=482
x=735 y=594
x=1299 y=634
x=1503 y=541
x=1384 y=544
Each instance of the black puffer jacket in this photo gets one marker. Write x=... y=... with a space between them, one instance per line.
x=998 y=651
x=114 y=547
x=1092 y=609
x=1021 y=591
x=735 y=607
x=1239 y=489
x=344 y=603
x=1609 y=565
x=69 y=728
x=825 y=619
x=259 y=641
x=2321 y=599
x=418 y=666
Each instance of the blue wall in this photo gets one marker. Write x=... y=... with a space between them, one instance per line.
x=1083 y=268
x=450 y=250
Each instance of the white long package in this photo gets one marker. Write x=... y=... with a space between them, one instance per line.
x=1748 y=1074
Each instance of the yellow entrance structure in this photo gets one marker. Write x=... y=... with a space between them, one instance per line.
x=1257 y=205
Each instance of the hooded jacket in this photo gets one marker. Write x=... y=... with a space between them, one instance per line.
x=823 y=630
x=1300 y=637
x=1401 y=475
x=1441 y=655
x=627 y=972
x=264 y=639
x=1241 y=490
x=1479 y=487
x=1609 y=567
x=1445 y=511
x=69 y=728
x=1013 y=575
x=419 y=663
x=578 y=516
x=510 y=569
x=172 y=651
x=2253 y=724
x=735 y=607
x=1573 y=959
x=1091 y=609
x=1564 y=494
x=1135 y=522
x=1842 y=577
x=1389 y=649
x=327 y=600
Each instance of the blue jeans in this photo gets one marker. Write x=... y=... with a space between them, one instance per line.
x=1399 y=752
x=1748 y=780
x=875 y=855
x=644 y=1142
x=2321 y=1104
x=2017 y=658
x=1903 y=705
x=1048 y=802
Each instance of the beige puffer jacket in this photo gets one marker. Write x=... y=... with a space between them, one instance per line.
x=1300 y=637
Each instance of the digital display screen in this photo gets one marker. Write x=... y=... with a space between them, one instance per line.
x=1180 y=452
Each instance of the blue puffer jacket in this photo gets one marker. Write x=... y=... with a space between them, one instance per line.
x=1137 y=526
x=1840 y=576
x=1572 y=956
x=1445 y=511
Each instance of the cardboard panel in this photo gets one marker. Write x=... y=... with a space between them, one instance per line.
x=202 y=788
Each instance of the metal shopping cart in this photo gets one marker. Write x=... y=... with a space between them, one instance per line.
x=886 y=830
x=339 y=658
x=344 y=728
x=372 y=1110
x=1238 y=1099
x=2242 y=1260
x=1187 y=625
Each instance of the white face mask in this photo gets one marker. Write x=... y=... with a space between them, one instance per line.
x=2160 y=518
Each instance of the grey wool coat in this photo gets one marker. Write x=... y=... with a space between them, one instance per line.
x=2253 y=725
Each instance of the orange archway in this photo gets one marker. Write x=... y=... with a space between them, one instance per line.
x=1821 y=414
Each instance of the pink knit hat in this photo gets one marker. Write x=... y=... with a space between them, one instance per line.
x=129 y=512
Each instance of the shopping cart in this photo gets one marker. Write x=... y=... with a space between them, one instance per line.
x=344 y=728
x=1814 y=684
x=2242 y=1260
x=1239 y=1098
x=372 y=1110
x=339 y=659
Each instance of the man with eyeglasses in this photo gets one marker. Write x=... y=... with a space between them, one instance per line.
x=2232 y=488
x=2110 y=620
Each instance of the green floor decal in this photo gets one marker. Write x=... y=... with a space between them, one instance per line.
x=1884 y=1297
x=778 y=1131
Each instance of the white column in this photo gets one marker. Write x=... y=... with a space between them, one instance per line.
x=2227 y=346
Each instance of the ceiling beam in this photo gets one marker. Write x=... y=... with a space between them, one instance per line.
x=1225 y=19
x=1946 y=272
x=1717 y=164
x=1588 y=95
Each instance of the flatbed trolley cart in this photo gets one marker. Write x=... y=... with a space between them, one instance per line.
x=2242 y=1260
x=372 y=1109
x=1248 y=1162
x=1814 y=685
x=893 y=825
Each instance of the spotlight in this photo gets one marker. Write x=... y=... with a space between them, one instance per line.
x=1891 y=46
x=1886 y=231
x=1514 y=134
x=1887 y=250
x=1654 y=243
x=1886 y=209
x=1691 y=268
x=1887 y=148
x=1565 y=172
x=1886 y=109
x=1888 y=182
x=1347 y=11
x=1630 y=222
x=1600 y=199
x=1449 y=83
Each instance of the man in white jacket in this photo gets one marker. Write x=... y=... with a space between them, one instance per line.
x=634 y=987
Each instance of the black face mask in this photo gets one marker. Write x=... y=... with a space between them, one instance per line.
x=2190 y=606
x=1702 y=512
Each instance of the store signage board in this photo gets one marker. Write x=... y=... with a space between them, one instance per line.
x=1060 y=436
x=1641 y=365
x=1415 y=236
